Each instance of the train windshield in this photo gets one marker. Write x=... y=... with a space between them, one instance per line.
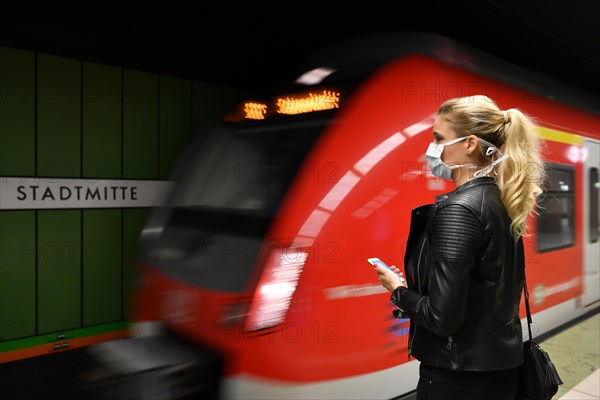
x=226 y=196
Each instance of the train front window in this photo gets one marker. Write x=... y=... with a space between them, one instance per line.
x=246 y=170
x=226 y=198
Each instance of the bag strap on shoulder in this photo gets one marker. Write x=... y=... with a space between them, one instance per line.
x=525 y=291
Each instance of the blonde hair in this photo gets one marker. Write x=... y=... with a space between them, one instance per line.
x=520 y=176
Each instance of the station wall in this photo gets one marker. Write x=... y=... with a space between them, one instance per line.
x=67 y=273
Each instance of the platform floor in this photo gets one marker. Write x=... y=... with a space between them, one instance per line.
x=576 y=354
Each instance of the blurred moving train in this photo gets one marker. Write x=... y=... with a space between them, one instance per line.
x=253 y=277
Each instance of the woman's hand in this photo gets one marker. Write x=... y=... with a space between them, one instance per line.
x=390 y=280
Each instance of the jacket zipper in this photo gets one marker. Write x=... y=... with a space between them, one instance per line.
x=419 y=264
x=450 y=342
x=412 y=338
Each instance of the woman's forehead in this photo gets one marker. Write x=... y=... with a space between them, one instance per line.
x=443 y=125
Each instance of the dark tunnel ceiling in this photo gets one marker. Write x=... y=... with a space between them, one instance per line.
x=245 y=45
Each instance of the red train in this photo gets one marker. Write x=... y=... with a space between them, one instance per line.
x=254 y=282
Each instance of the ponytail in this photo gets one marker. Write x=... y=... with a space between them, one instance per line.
x=520 y=176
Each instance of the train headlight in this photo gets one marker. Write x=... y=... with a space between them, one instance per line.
x=275 y=289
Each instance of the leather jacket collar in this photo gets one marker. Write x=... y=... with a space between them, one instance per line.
x=484 y=180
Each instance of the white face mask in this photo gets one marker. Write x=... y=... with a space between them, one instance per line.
x=444 y=171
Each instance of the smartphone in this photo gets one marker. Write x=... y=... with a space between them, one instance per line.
x=376 y=261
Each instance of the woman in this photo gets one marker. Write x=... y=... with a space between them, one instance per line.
x=465 y=259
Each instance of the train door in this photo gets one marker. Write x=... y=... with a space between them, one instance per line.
x=591 y=215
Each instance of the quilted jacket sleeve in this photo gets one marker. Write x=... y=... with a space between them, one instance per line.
x=454 y=236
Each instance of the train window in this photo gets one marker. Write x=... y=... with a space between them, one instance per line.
x=594 y=222
x=228 y=193
x=556 y=209
x=247 y=168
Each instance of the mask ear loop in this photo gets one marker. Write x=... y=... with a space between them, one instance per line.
x=486 y=170
x=491 y=150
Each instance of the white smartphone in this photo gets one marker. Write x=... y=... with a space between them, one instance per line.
x=376 y=261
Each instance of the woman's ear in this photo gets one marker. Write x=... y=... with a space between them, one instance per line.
x=472 y=144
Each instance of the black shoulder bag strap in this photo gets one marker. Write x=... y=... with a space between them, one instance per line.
x=539 y=376
x=526 y=293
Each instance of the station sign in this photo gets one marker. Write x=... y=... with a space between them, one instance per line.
x=22 y=193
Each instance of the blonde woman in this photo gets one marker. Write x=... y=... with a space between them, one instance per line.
x=465 y=260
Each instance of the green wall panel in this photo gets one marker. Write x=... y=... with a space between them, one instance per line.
x=101 y=133
x=59 y=270
x=133 y=222
x=101 y=266
x=17 y=112
x=17 y=274
x=206 y=105
x=175 y=122
x=61 y=117
x=140 y=125
x=58 y=116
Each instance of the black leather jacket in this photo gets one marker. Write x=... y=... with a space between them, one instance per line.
x=465 y=275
